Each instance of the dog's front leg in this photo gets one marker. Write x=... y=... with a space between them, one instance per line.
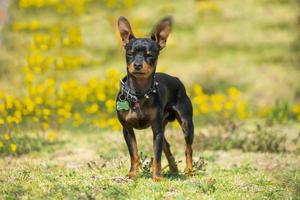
x=130 y=139
x=158 y=138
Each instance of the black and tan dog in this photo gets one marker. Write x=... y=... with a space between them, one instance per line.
x=152 y=99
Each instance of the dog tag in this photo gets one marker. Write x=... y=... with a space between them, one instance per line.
x=122 y=105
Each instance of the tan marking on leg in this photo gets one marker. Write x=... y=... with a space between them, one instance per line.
x=189 y=159
x=171 y=160
x=135 y=163
x=156 y=171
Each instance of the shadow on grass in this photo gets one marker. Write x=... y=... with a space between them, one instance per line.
x=167 y=175
x=175 y=176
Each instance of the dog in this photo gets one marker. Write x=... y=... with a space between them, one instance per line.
x=150 y=99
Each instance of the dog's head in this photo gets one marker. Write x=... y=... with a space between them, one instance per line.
x=142 y=53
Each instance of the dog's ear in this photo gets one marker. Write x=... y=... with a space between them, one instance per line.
x=125 y=30
x=161 y=31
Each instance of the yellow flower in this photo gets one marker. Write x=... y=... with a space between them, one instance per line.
x=77 y=119
x=296 y=108
x=197 y=100
x=9 y=102
x=51 y=135
x=44 y=47
x=242 y=115
x=1 y=121
x=29 y=105
x=50 y=82
x=217 y=107
x=110 y=105
x=13 y=147
x=63 y=112
x=29 y=77
x=217 y=98
x=207 y=7
x=36 y=119
x=100 y=96
x=2 y=107
x=6 y=136
x=16 y=120
x=34 y=24
x=77 y=116
x=38 y=100
x=93 y=83
x=68 y=106
x=228 y=105
x=197 y=89
x=111 y=3
x=113 y=73
x=102 y=123
x=116 y=127
x=18 y=104
x=18 y=114
x=59 y=103
x=46 y=112
x=233 y=92
x=1 y=144
x=92 y=109
x=2 y=94
x=204 y=108
x=37 y=69
x=114 y=124
x=45 y=125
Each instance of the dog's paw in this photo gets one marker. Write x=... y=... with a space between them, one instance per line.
x=132 y=174
x=189 y=172
x=158 y=178
x=173 y=169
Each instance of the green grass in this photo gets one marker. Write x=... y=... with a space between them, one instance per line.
x=92 y=164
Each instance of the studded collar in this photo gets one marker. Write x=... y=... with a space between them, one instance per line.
x=130 y=94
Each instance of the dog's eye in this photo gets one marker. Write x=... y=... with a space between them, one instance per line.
x=129 y=54
x=149 y=55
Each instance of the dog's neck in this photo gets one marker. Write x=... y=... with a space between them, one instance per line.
x=140 y=85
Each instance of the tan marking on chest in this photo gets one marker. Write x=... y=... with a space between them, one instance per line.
x=134 y=115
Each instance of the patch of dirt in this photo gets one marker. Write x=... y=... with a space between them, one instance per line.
x=75 y=158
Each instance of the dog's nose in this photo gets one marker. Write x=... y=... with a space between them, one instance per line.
x=137 y=66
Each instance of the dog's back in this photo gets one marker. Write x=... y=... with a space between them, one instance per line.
x=171 y=87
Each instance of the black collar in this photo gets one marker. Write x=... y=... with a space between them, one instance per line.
x=131 y=95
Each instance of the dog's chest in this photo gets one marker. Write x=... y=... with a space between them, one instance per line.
x=138 y=117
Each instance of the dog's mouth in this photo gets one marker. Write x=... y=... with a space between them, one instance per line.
x=138 y=73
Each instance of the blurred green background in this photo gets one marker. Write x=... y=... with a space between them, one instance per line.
x=251 y=45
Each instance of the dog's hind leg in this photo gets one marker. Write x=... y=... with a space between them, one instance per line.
x=166 y=148
x=171 y=160
x=184 y=115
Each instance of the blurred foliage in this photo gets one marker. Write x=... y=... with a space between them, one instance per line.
x=296 y=45
x=255 y=137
